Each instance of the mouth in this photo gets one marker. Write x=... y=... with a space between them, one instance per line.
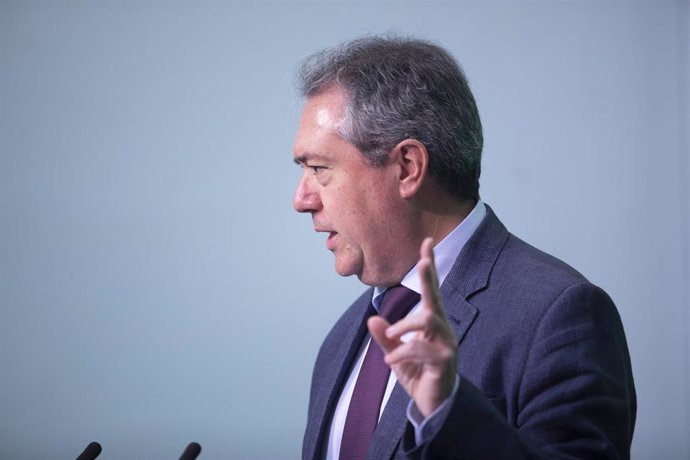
x=330 y=240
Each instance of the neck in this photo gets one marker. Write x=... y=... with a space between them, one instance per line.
x=437 y=220
x=440 y=216
x=430 y=213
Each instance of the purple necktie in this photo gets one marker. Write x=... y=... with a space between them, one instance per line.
x=363 y=413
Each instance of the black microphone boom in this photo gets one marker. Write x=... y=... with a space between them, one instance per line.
x=191 y=452
x=92 y=451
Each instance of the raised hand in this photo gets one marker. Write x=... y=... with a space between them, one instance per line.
x=425 y=364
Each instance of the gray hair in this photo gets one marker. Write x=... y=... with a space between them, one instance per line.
x=404 y=88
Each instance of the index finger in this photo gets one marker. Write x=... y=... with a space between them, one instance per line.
x=431 y=296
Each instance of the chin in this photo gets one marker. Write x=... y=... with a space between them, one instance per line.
x=380 y=279
x=352 y=267
x=348 y=266
x=346 y=271
x=371 y=280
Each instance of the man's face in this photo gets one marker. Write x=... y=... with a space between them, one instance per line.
x=357 y=205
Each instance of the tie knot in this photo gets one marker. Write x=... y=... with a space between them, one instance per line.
x=397 y=302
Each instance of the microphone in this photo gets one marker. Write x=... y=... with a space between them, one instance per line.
x=92 y=451
x=191 y=452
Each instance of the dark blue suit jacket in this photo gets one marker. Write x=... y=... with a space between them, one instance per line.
x=543 y=363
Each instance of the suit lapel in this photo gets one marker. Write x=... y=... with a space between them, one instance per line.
x=391 y=426
x=472 y=269
x=335 y=371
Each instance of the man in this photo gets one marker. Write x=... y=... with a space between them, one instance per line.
x=515 y=355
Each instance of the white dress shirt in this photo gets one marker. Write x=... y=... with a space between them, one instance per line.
x=445 y=254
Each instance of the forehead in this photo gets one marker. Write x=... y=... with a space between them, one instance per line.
x=328 y=105
x=320 y=123
x=325 y=110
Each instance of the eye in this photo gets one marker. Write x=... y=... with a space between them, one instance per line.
x=321 y=173
x=316 y=169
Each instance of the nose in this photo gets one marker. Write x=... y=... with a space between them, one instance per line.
x=306 y=197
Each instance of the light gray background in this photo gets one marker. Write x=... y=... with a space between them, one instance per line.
x=156 y=286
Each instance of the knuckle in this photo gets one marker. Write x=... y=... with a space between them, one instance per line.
x=416 y=347
x=446 y=354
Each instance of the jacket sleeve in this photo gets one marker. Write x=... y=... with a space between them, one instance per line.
x=575 y=398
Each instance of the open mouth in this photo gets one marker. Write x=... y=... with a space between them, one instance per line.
x=329 y=240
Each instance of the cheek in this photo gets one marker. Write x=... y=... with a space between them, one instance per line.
x=345 y=204
x=359 y=209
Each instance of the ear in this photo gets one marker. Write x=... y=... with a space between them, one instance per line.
x=413 y=160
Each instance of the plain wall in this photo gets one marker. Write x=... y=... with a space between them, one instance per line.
x=156 y=286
